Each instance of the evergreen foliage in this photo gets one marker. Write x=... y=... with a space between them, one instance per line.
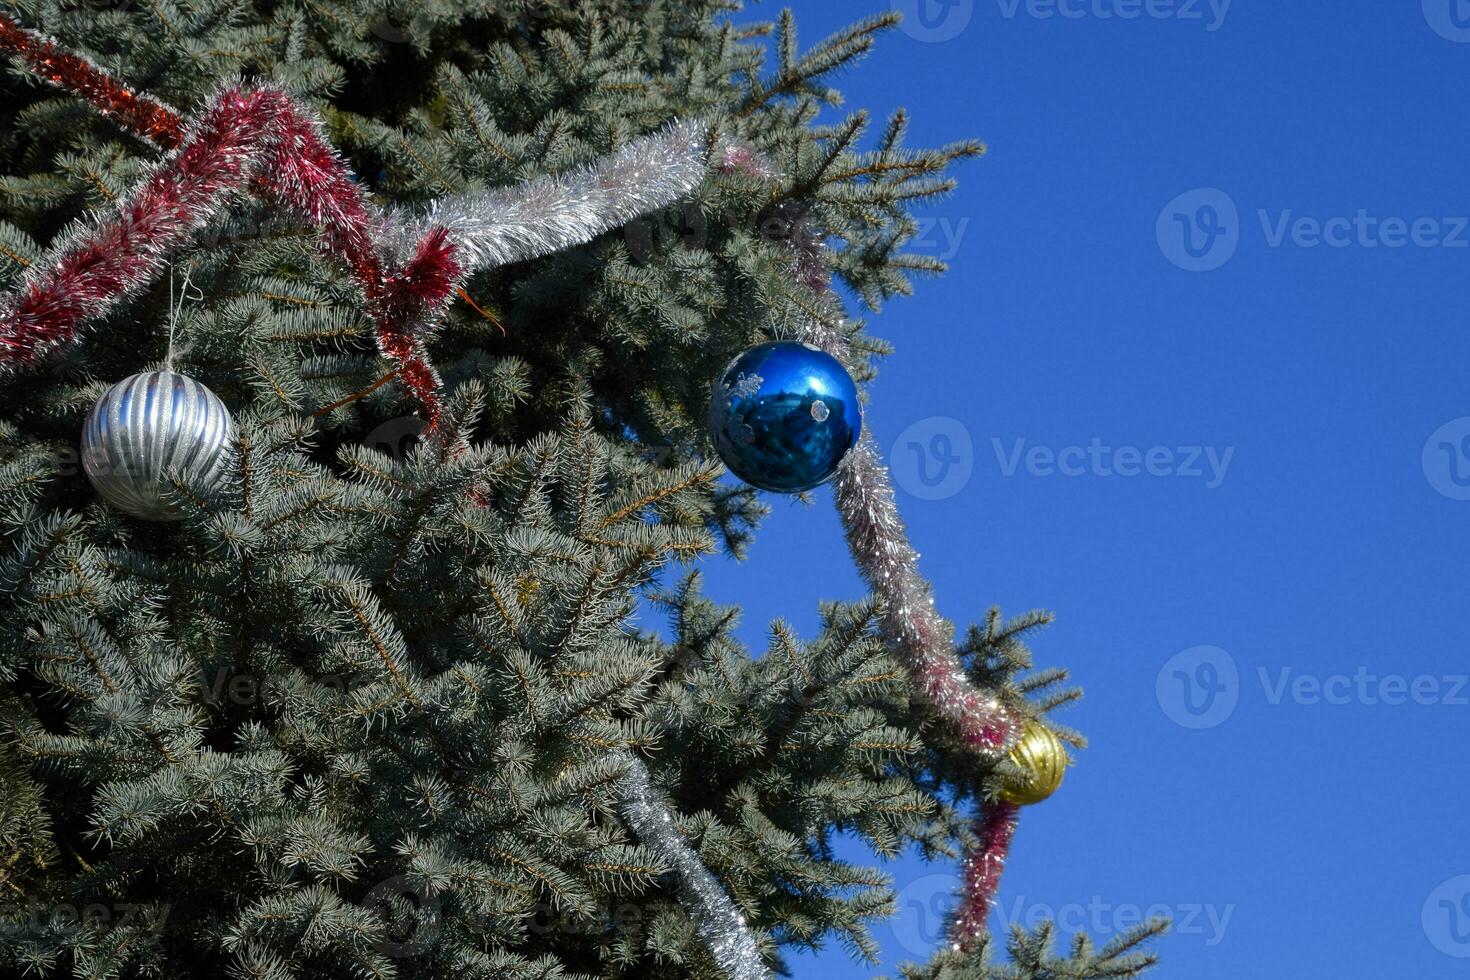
x=356 y=715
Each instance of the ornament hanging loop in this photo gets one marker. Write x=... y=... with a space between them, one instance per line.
x=176 y=310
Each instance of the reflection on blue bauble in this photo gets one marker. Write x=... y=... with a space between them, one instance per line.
x=783 y=415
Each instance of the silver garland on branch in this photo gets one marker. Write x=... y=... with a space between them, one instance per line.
x=718 y=921
x=888 y=562
x=551 y=214
x=525 y=221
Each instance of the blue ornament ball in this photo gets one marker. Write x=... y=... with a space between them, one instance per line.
x=783 y=416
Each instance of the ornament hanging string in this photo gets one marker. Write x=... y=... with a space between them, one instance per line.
x=177 y=310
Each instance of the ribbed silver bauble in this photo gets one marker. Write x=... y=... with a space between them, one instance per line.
x=150 y=423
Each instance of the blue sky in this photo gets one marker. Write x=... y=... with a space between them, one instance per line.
x=1269 y=613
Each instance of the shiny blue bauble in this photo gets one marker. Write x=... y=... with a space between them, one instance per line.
x=783 y=415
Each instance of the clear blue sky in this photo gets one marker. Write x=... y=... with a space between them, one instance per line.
x=1295 y=793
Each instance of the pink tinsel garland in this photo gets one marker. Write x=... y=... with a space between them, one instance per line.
x=881 y=550
x=994 y=827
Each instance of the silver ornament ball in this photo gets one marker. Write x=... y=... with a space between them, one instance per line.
x=143 y=427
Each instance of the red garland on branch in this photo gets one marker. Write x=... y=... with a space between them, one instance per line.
x=259 y=140
x=140 y=114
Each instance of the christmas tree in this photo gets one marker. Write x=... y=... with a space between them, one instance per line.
x=370 y=702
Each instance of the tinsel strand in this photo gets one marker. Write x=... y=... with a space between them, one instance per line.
x=876 y=535
x=982 y=868
x=284 y=157
x=279 y=151
x=292 y=163
x=551 y=214
x=880 y=548
x=141 y=114
x=307 y=175
x=92 y=268
x=718 y=922
x=908 y=620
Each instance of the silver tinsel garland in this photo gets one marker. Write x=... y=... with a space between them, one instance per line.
x=880 y=548
x=549 y=214
x=908 y=620
x=718 y=921
x=524 y=221
x=878 y=539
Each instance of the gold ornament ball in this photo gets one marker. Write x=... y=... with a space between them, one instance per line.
x=1043 y=758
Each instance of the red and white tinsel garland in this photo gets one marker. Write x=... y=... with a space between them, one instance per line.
x=262 y=141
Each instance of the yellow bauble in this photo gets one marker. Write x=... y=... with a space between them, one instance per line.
x=1043 y=758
